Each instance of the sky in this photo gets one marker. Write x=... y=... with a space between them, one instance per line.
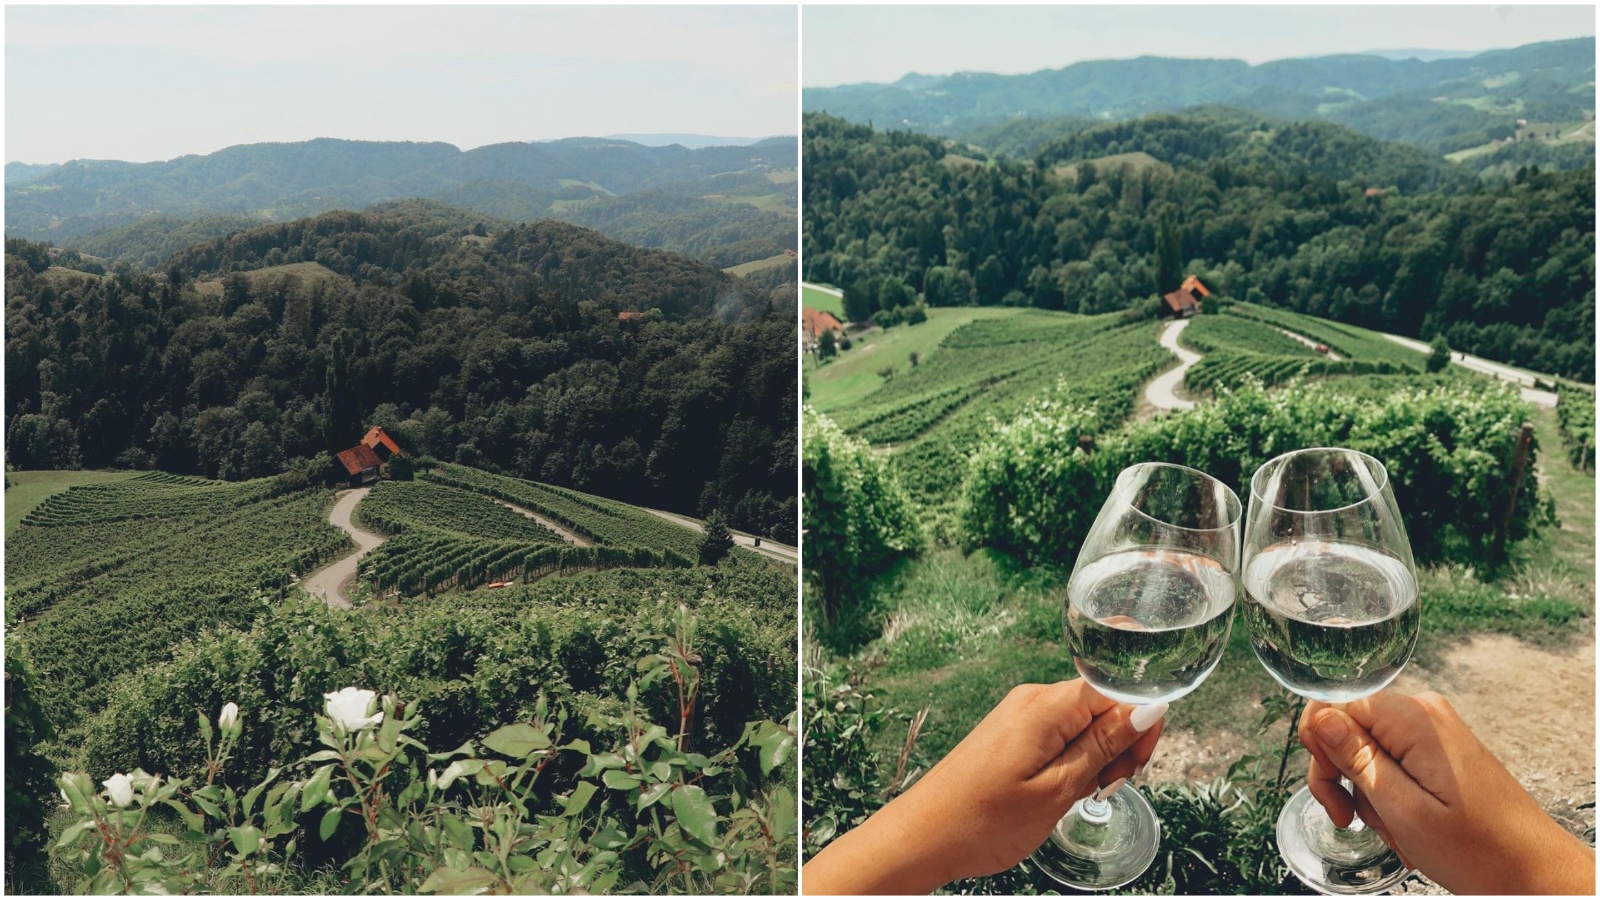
x=846 y=45
x=153 y=83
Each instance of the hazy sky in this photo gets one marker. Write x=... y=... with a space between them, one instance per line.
x=149 y=83
x=881 y=43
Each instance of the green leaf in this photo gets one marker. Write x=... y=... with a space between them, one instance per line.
x=580 y=798
x=653 y=794
x=471 y=880
x=776 y=742
x=781 y=814
x=316 y=789
x=247 y=839
x=192 y=819
x=696 y=816
x=518 y=740
x=71 y=835
x=617 y=779
x=330 y=821
x=660 y=771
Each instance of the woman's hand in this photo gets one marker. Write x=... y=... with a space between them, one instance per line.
x=996 y=796
x=1438 y=797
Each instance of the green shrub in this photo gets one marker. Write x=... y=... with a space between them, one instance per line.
x=1575 y=412
x=856 y=518
x=1033 y=492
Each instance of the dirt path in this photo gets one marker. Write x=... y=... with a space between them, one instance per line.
x=563 y=533
x=767 y=548
x=1307 y=341
x=1526 y=381
x=331 y=582
x=1162 y=391
x=1533 y=707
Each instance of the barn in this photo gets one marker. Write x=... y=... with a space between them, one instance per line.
x=361 y=465
x=1184 y=302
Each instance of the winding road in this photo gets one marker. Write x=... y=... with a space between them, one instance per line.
x=331 y=581
x=766 y=548
x=1524 y=380
x=1162 y=391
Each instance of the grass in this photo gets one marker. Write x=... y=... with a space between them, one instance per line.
x=573 y=182
x=29 y=489
x=852 y=375
x=812 y=298
x=757 y=265
x=311 y=271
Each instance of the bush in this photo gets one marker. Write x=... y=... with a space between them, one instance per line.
x=1439 y=355
x=525 y=809
x=856 y=517
x=718 y=541
x=1032 y=491
x=1575 y=412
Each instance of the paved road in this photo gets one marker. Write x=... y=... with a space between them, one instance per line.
x=767 y=548
x=331 y=582
x=1162 y=392
x=1483 y=366
x=563 y=533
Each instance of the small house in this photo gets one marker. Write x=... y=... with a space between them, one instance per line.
x=361 y=464
x=380 y=443
x=625 y=316
x=1184 y=302
x=814 y=322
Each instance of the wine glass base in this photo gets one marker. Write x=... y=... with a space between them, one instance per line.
x=1093 y=855
x=1333 y=860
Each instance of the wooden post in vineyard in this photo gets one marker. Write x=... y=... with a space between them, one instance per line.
x=1519 y=468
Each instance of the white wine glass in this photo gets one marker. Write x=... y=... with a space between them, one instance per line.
x=1332 y=611
x=1149 y=607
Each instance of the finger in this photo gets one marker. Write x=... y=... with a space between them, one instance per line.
x=1401 y=724
x=1110 y=735
x=1060 y=712
x=1357 y=756
x=1323 y=780
x=1132 y=761
x=1371 y=817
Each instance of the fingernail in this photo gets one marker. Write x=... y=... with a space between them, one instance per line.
x=1110 y=789
x=1330 y=728
x=1138 y=771
x=1145 y=717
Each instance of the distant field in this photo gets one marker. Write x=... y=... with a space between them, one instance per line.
x=571 y=182
x=783 y=176
x=1139 y=161
x=312 y=271
x=759 y=201
x=811 y=298
x=852 y=375
x=757 y=265
x=29 y=489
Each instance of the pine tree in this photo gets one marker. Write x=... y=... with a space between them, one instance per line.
x=718 y=541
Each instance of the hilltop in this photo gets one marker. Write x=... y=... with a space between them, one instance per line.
x=1441 y=105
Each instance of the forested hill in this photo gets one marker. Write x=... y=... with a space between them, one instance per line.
x=1310 y=216
x=491 y=345
x=1441 y=105
x=93 y=204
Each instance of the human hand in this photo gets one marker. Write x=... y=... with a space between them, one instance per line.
x=995 y=797
x=1438 y=797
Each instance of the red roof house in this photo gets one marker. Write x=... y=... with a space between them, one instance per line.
x=816 y=321
x=361 y=464
x=1185 y=301
x=381 y=443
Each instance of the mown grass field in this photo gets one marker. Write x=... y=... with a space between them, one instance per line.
x=812 y=298
x=852 y=375
x=757 y=265
x=29 y=489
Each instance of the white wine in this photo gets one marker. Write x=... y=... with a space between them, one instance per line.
x=1147 y=626
x=1331 y=621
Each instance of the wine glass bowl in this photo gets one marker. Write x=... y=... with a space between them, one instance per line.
x=1332 y=610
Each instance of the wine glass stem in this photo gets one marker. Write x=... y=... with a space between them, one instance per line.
x=1093 y=810
x=1356 y=825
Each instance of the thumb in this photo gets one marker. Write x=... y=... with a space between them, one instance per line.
x=1353 y=753
x=1107 y=737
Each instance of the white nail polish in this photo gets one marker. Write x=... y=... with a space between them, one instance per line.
x=1106 y=792
x=1138 y=771
x=1145 y=717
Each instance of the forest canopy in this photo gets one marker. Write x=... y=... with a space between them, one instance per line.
x=1308 y=216
x=495 y=346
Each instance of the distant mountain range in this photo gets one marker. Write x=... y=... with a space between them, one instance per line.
x=692 y=141
x=280 y=181
x=1445 y=103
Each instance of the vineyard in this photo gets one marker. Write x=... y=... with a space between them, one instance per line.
x=935 y=413
x=133 y=567
x=1243 y=340
x=447 y=532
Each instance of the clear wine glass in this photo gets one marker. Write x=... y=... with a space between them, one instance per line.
x=1331 y=607
x=1149 y=607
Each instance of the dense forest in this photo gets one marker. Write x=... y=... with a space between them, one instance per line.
x=1440 y=105
x=1308 y=216
x=488 y=344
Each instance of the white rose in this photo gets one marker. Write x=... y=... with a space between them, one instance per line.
x=351 y=708
x=119 y=788
x=229 y=717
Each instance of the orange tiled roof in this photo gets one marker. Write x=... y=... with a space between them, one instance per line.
x=816 y=321
x=358 y=459
x=377 y=436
